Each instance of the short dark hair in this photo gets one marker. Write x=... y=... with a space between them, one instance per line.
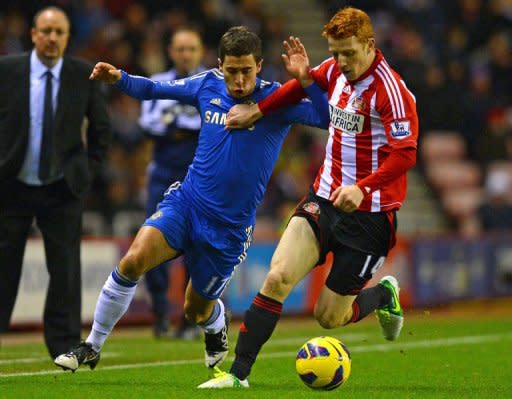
x=239 y=41
x=49 y=8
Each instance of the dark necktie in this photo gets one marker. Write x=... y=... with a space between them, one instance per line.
x=46 y=161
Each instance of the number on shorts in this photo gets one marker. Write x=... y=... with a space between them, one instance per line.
x=375 y=267
x=216 y=285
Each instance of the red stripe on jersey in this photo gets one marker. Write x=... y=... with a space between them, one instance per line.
x=316 y=184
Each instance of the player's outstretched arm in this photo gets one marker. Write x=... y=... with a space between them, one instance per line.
x=296 y=61
x=106 y=73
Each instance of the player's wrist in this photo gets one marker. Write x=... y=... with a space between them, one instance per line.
x=365 y=189
x=257 y=113
x=305 y=79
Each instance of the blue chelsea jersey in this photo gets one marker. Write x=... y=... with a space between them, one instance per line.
x=231 y=169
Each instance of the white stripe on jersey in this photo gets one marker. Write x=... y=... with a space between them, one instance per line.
x=324 y=186
x=329 y=71
x=394 y=81
x=217 y=73
x=348 y=147
x=394 y=94
x=378 y=140
x=348 y=159
x=397 y=88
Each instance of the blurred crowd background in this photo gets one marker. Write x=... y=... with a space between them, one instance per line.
x=456 y=57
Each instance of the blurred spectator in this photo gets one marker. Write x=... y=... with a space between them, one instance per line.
x=438 y=104
x=495 y=143
x=496 y=213
x=476 y=105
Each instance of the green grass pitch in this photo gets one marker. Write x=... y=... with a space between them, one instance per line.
x=437 y=356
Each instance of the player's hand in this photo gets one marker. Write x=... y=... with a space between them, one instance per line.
x=243 y=116
x=347 y=198
x=296 y=61
x=106 y=73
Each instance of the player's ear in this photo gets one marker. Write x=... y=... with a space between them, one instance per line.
x=219 y=61
x=259 y=65
x=371 y=44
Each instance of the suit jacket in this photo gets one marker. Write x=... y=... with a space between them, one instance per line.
x=79 y=99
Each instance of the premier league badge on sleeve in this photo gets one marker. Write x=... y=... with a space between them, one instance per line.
x=400 y=129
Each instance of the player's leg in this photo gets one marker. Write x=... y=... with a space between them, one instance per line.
x=211 y=316
x=212 y=253
x=148 y=249
x=360 y=243
x=343 y=299
x=186 y=330
x=296 y=254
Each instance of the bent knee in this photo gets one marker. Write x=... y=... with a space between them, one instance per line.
x=278 y=284
x=132 y=265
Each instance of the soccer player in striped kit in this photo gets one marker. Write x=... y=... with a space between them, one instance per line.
x=351 y=207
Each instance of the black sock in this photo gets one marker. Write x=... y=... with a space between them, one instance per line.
x=368 y=300
x=257 y=327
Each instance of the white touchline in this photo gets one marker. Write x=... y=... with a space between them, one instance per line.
x=300 y=340
x=45 y=358
x=463 y=340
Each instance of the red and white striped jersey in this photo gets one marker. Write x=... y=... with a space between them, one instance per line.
x=370 y=117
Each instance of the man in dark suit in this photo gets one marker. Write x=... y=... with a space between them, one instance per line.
x=54 y=134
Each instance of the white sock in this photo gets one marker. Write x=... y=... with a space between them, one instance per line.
x=216 y=322
x=113 y=301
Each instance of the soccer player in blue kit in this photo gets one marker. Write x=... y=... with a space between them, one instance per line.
x=210 y=217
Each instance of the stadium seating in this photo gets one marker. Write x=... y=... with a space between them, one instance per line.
x=440 y=145
x=456 y=179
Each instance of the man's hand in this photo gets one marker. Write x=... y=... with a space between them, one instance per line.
x=243 y=116
x=296 y=61
x=106 y=73
x=347 y=198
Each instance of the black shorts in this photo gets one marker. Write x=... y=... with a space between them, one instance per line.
x=359 y=241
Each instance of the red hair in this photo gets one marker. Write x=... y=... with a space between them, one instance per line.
x=347 y=22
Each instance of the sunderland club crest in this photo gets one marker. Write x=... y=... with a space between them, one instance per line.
x=312 y=207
